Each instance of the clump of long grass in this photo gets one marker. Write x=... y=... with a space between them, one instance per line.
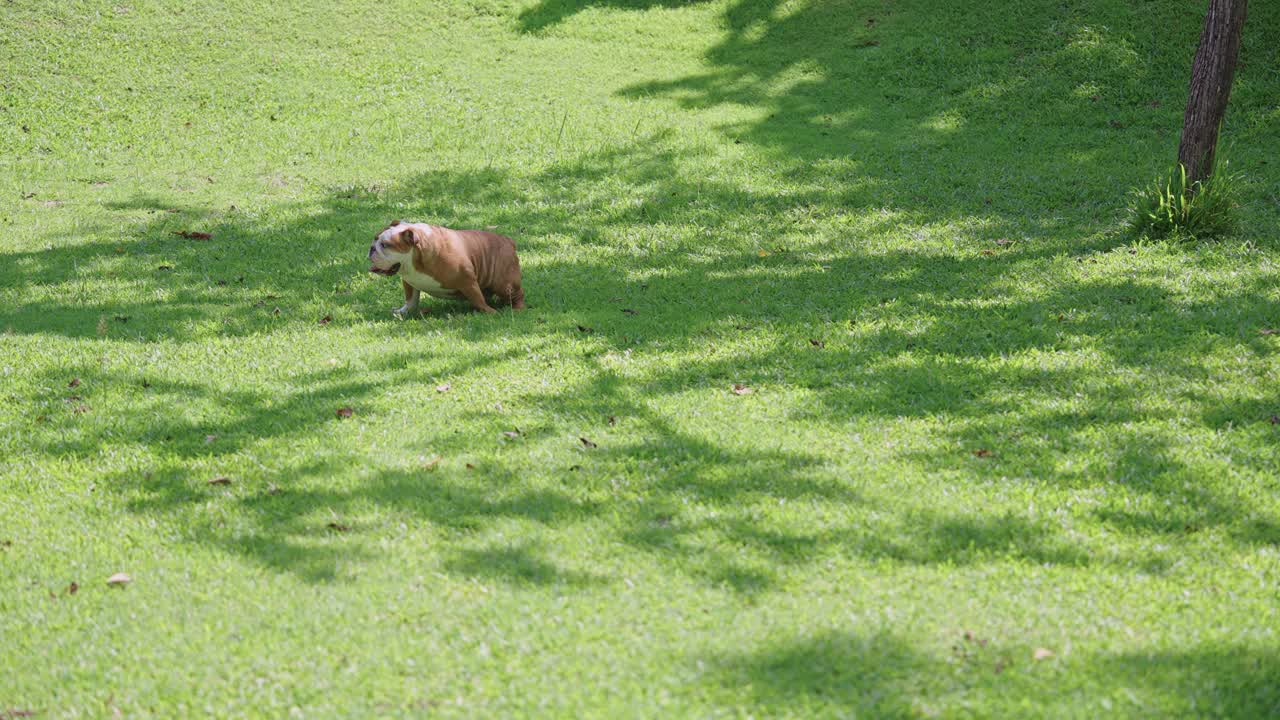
x=1201 y=210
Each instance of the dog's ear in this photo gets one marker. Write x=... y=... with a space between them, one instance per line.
x=408 y=237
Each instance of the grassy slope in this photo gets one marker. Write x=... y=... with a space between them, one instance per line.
x=748 y=177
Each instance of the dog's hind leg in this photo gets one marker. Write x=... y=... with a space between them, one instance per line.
x=512 y=295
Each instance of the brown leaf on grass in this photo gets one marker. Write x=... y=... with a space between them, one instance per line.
x=431 y=464
x=74 y=382
x=80 y=409
x=190 y=235
x=511 y=434
x=1269 y=331
x=326 y=319
x=345 y=412
x=988 y=252
x=220 y=480
x=119 y=580
x=1004 y=241
x=470 y=466
x=338 y=526
x=1042 y=654
x=817 y=343
x=587 y=443
x=585 y=330
x=12 y=713
x=443 y=388
x=982 y=452
x=740 y=389
x=72 y=588
x=613 y=420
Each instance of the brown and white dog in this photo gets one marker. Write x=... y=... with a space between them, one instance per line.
x=469 y=265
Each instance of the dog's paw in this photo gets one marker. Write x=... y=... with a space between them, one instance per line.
x=404 y=311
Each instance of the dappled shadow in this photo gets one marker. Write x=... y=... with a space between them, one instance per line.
x=882 y=675
x=627 y=255
x=835 y=672
x=894 y=123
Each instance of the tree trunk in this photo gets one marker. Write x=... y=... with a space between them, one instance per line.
x=1211 y=74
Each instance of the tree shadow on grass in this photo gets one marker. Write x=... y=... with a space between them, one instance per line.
x=627 y=253
x=881 y=675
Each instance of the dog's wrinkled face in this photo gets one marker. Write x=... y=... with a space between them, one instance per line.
x=392 y=248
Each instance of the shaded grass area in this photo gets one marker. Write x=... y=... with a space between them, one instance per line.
x=980 y=421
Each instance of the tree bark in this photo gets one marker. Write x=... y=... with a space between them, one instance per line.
x=1211 y=74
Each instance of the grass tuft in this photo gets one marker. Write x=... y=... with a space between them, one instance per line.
x=1175 y=209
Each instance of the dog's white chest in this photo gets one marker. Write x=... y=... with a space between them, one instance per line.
x=424 y=282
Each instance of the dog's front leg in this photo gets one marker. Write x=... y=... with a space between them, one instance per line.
x=411 y=295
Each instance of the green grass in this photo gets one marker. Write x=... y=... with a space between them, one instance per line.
x=983 y=421
x=1172 y=208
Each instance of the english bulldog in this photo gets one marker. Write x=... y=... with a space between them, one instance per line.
x=469 y=265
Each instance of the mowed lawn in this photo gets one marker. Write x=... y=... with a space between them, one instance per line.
x=987 y=456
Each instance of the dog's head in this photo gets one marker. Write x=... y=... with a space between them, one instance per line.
x=392 y=248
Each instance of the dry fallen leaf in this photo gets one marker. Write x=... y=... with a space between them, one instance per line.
x=345 y=412
x=194 y=235
x=326 y=319
x=1269 y=331
x=74 y=382
x=119 y=580
x=72 y=588
x=817 y=343
x=587 y=443
x=740 y=389
x=512 y=434
x=443 y=388
x=1004 y=241
x=613 y=420
x=470 y=466
x=431 y=464
x=585 y=329
x=763 y=253
x=982 y=452
x=1042 y=654
x=338 y=526
x=220 y=480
